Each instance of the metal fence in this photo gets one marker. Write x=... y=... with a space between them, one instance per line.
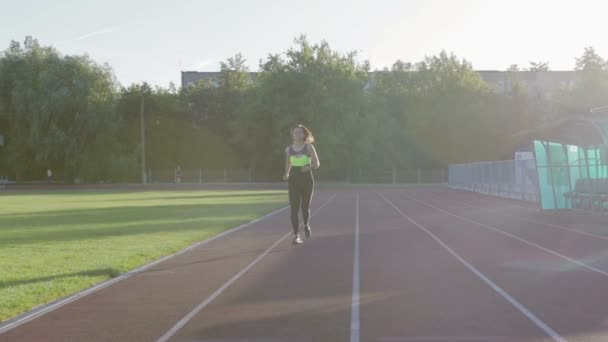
x=3 y=182
x=400 y=176
x=515 y=179
x=226 y=175
x=251 y=175
x=230 y=175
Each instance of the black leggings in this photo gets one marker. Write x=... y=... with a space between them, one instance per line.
x=300 y=194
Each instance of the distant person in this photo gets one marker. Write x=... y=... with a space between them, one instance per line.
x=178 y=174
x=301 y=159
x=49 y=175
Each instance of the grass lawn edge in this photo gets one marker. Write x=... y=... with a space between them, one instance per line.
x=43 y=309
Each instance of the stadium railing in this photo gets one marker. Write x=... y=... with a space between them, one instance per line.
x=244 y=175
x=514 y=179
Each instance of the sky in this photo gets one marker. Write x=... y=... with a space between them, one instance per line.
x=153 y=40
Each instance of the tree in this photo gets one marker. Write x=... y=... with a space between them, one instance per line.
x=518 y=88
x=591 y=88
x=513 y=68
x=218 y=108
x=56 y=105
x=387 y=118
x=68 y=113
x=538 y=66
x=446 y=117
x=590 y=62
x=313 y=85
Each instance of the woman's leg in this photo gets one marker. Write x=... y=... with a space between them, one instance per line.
x=307 y=191
x=294 y=202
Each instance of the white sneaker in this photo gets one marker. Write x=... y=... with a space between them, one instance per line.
x=307 y=231
x=297 y=240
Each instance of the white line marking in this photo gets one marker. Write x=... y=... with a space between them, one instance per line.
x=527 y=209
x=582 y=232
x=43 y=310
x=182 y=322
x=355 y=328
x=579 y=263
x=548 y=330
x=443 y=338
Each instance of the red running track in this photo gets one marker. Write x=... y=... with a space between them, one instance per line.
x=408 y=264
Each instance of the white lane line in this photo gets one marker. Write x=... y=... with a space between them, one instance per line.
x=443 y=339
x=547 y=329
x=355 y=328
x=515 y=217
x=182 y=322
x=579 y=263
x=582 y=232
x=43 y=310
x=553 y=225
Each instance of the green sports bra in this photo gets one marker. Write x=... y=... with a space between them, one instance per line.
x=299 y=158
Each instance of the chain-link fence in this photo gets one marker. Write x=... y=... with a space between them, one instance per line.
x=200 y=176
x=3 y=182
x=231 y=175
x=516 y=179
x=400 y=176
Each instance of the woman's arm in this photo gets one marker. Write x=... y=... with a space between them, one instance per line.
x=315 y=158
x=287 y=164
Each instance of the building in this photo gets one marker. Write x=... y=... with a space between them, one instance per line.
x=193 y=77
x=539 y=84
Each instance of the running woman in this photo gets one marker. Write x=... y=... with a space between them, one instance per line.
x=301 y=159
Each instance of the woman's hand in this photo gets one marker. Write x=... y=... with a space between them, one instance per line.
x=286 y=176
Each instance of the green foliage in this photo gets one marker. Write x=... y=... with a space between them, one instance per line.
x=313 y=85
x=447 y=116
x=67 y=113
x=56 y=105
x=538 y=66
x=591 y=88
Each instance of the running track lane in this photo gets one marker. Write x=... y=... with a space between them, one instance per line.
x=301 y=293
x=583 y=246
x=569 y=298
x=413 y=289
x=583 y=223
x=144 y=306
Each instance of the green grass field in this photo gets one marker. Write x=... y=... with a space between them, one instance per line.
x=54 y=244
